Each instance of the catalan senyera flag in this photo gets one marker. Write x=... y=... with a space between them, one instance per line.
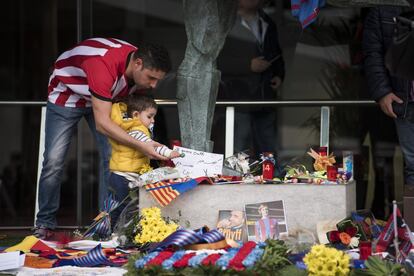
x=164 y=192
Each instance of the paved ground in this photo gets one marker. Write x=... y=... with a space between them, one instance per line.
x=12 y=237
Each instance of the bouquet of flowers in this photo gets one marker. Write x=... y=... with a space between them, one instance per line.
x=322 y=260
x=298 y=173
x=347 y=235
x=322 y=161
x=152 y=227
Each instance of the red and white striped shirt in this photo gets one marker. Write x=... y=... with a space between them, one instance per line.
x=95 y=67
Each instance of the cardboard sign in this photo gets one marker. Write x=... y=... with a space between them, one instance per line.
x=11 y=260
x=198 y=163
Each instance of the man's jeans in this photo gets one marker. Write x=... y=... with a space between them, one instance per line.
x=61 y=122
x=405 y=130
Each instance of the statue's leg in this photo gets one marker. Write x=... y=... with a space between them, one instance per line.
x=196 y=104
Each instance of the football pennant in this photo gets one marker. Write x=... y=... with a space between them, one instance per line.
x=165 y=192
x=396 y=227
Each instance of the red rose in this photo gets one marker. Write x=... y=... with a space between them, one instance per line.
x=351 y=230
x=345 y=238
x=333 y=236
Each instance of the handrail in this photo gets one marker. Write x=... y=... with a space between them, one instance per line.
x=238 y=103
x=23 y=103
x=229 y=116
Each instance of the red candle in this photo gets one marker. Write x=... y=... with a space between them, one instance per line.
x=323 y=151
x=268 y=168
x=365 y=250
x=331 y=172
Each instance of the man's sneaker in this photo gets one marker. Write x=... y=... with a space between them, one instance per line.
x=43 y=233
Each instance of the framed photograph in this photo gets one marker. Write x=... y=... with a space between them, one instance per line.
x=232 y=224
x=266 y=220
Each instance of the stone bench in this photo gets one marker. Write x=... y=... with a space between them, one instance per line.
x=305 y=204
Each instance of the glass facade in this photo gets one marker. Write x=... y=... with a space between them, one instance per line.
x=323 y=62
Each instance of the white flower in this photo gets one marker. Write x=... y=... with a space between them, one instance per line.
x=354 y=242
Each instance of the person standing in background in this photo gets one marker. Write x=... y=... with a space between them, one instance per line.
x=252 y=68
x=394 y=95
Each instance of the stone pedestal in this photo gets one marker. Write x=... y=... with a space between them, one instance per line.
x=305 y=204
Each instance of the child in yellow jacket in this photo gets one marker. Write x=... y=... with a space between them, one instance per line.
x=136 y=116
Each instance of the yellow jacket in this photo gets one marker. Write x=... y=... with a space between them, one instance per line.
x=123 y=158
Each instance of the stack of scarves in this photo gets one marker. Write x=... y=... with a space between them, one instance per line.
x=201 y=238
x=232 y=258
x=40 y=255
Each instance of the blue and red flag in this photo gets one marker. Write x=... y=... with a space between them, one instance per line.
x=396 y=231
x=164 y=192
x=306 y=10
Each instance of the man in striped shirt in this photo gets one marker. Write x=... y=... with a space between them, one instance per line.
x=85 y=81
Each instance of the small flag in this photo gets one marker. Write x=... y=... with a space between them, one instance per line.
x=396 y=230
x=306 y=11
x=102 y=223
x=164 y=192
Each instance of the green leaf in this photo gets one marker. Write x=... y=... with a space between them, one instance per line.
x=378 y=267
x=291 y=270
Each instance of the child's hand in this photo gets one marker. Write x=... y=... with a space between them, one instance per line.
x=175 y=154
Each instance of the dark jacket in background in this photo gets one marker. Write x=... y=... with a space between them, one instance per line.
x=241 y=46
x=378 y=33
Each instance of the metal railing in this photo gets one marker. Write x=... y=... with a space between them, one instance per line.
x=238 y=103
x=229 y=134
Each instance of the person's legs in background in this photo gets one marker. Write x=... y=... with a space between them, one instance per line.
x=384 y=184
x=242 y=130
x=60 y=125
x=264 y=130
x=104 y=155
x=405 y=130
x=383 y=140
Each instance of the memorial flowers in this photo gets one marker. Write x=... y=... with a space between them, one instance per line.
x=347 y=235
x=145 y=169
x=264 y=258
x=322 y=260
x=152 y=227
x=322 y=161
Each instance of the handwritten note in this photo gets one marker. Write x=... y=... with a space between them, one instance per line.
x=198 y=163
